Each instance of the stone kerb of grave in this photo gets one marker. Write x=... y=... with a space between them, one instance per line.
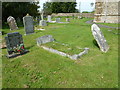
x=49 y=38
x=99 y=37
x=12 y=23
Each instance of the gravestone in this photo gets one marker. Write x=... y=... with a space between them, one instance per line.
x=49 y=18
x=44 y=39
x=12 y=23
x=57 y=20
x=28 y=24
x=43 y=23
x=15 y=45
x=67 y=19
x=99 y=37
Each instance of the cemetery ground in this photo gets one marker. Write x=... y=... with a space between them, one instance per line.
x=42 y=69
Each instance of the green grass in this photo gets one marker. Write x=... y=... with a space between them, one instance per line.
x=42 y=69
x=111 y=24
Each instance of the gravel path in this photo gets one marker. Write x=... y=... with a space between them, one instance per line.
x=91 y=22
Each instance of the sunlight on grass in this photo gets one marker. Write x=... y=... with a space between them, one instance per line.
x=42 y=69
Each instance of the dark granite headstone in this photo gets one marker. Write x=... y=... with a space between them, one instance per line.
x=14 y=43
x=99 y=37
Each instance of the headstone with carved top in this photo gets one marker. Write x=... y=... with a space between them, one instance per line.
x=99 y=37
x=12 y=23
x=28 y=24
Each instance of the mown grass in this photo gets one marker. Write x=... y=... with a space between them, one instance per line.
x=42 y=69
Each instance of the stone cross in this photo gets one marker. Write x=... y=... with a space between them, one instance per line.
x=42 y=13
x=99 y=37
x=28 y=24
x=12 y=23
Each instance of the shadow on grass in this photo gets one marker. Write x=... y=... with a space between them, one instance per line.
x=95 y=43
x=29 y=47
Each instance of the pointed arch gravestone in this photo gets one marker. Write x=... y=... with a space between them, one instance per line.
x=28 y=24
x=99 y=37
x=12 y=23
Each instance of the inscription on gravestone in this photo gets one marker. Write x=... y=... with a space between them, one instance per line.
x=99 y=37
x=12 y=23
x=28 y=24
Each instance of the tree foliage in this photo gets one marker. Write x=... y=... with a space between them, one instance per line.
x=18 y=9
x=60 y=7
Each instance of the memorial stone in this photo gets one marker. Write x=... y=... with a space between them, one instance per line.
x=14 y=43
x=12 y=23
x=28 y=24
x=99 y=37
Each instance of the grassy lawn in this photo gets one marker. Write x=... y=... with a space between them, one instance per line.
x=111 y=24
x=42 y=69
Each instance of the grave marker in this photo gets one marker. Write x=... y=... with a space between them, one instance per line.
x=28 y=24
x=99 y=37
x=15 y=45
x=12 y=23
x=49 y=18
x=57 y=20
x=44 y=39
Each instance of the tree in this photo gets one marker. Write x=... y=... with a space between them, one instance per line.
x=18 y=9
x=60 y=7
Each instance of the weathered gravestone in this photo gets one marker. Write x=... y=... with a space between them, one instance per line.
x=28 y=24
x=42 y=22
x=67 y=19
x=15 y=45
x=12 y=23
x=57 y=20
x=44 y=39
x=99 y=37
x=49 y=18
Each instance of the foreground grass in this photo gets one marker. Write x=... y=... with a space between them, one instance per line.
x=42 y=69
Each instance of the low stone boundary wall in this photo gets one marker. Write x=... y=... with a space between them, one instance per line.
x=88 y=15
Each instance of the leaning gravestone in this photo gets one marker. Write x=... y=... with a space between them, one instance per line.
x=49 y=18
x=12 y=23
x=15 y=45
x=44 y=39
x=99 y=37
x=28 y=24
x=57 y=20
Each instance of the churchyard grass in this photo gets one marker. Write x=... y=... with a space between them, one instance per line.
x=42 y=69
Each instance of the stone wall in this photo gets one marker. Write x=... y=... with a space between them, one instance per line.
x=88 y=15
x=106 y=12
